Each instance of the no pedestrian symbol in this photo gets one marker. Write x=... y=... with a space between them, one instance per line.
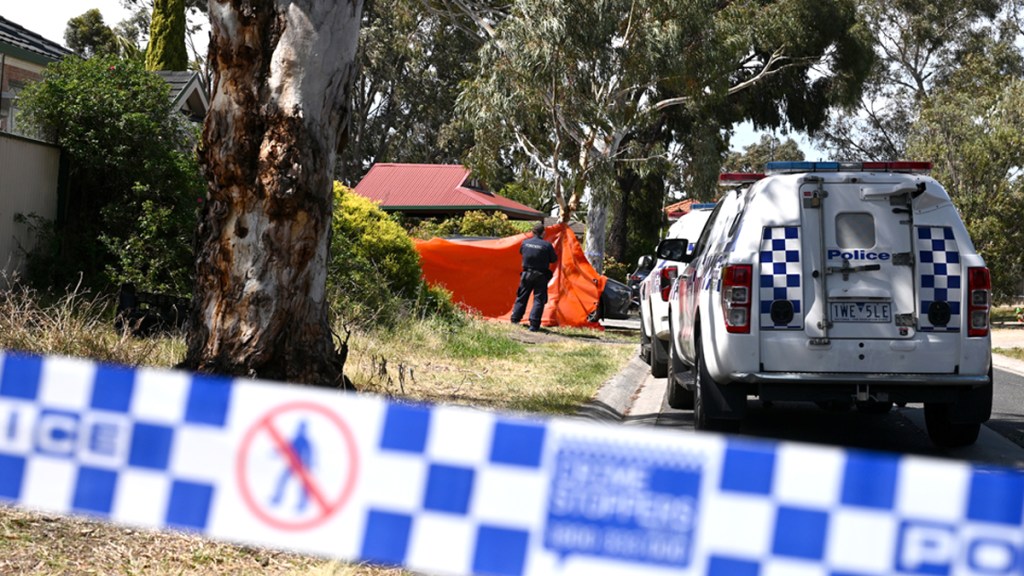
x=297 y=466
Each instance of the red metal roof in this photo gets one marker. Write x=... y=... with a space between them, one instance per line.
x=434 y=189
x=675 y=211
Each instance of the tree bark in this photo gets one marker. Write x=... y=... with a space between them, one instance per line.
x=597 y=221
x=282 y=71
x=617 y=230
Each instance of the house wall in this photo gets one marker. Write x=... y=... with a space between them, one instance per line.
x=29 y=172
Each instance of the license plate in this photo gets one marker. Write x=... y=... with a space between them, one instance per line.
x=861 y=311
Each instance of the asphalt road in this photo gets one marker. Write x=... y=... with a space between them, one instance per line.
x=901 y=430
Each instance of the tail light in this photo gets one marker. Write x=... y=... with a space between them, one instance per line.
x=736 y=286
x=979 y=293
x=666 y=277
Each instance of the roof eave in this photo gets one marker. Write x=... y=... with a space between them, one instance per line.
x=454 y=208
x=26 y=55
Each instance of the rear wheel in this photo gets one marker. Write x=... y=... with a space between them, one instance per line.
x=709 y=399
x=645 y=342
x=945 y=433
x=678 y=396
x=957 y=424
x=659 y=357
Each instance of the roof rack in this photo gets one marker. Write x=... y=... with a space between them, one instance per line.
x=913 y=167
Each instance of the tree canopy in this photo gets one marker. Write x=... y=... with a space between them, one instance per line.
x=755 y=156
x=87 y=35
x=166 y=48
x=565 y=86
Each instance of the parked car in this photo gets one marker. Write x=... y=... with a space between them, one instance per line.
x=853 y=283
x=615 y=300
x=654 y=290
x=643 y=268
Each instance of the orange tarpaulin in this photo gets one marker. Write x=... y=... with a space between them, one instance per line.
x=483 y=275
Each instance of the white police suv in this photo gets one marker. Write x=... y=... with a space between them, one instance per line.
x=839 y=283
x=654 y=291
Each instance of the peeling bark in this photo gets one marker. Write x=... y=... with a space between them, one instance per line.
x=282 y=71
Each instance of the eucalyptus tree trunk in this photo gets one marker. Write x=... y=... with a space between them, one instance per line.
x=597 y=223
x=281 y=73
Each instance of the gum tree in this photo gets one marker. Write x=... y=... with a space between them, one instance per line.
x=570 y=84
x=282 y=71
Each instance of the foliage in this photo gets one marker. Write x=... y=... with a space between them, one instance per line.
x=756 y=156
x=973 y=132
x=374 y=274
x=472 y=223
x=919 y=43
x=134 y=180
x=529 y=193
x=616 y=270
x=565 y=87
x=411 y=62
x=166 y=49
x=87 y=35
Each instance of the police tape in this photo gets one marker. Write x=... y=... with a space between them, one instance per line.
x=453 y=490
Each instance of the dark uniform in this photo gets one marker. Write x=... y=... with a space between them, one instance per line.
x=538 y=255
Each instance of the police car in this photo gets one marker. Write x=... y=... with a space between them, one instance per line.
x=851 y=283
x=654 y=291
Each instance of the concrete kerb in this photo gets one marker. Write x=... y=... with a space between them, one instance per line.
x=1008 y=364
x=614 y=397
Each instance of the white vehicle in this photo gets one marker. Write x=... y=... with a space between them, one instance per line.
x=839 y=283
x=654 y=291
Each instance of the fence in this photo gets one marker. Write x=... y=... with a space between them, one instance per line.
x=29 y=180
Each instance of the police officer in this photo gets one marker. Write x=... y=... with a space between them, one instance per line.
x=538 y=256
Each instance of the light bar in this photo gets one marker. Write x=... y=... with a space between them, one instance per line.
x=703 y=206
x=795 y=167
x=901 y=166
x=726 y=178
x=790 y=167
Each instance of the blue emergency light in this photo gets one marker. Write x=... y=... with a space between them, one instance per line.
x=786 y=167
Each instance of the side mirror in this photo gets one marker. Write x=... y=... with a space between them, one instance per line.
x=646 y=262
x=676 y=249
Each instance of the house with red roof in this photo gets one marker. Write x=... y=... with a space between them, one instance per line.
x=431 y=190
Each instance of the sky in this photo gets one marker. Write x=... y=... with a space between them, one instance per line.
x=49 y=19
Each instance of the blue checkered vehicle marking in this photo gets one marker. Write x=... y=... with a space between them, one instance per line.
x=781 y=275
x=81 y=427
x=940 y=275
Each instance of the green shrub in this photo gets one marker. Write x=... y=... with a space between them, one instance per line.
x=374 y=276
x=615 y=270
x=130 y=203
x=472 y=223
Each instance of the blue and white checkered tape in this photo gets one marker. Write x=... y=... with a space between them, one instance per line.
x=452 y=490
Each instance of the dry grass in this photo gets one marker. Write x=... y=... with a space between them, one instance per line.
x=487 y=364
x=77 y=324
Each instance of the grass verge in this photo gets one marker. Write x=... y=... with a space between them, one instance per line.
x=1017 y=353
x=487 y=364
